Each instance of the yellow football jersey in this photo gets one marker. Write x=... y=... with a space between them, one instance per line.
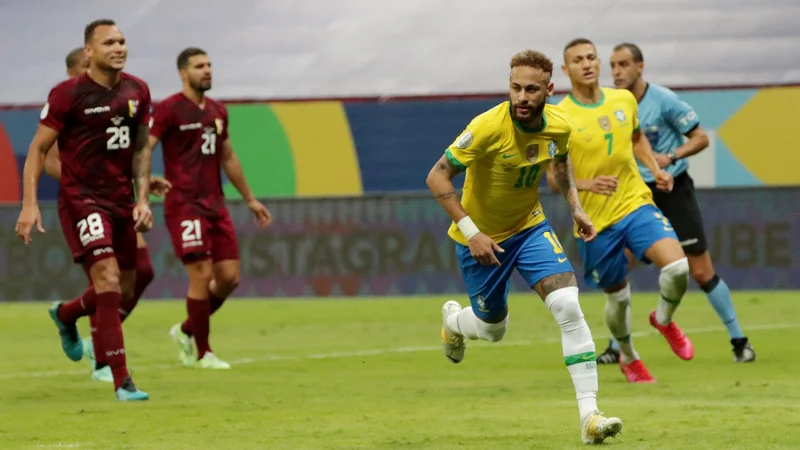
x=602 y=145
x=504 y=161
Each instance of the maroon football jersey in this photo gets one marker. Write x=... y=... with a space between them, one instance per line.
x=97 y=129
x=191 y=140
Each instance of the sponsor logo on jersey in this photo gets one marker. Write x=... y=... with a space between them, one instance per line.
x=190 y=126
x=96 y=110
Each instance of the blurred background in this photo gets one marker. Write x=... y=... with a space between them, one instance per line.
x=339 y=108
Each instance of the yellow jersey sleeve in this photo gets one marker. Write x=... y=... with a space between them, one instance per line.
x=471 y=145
x=634 y=105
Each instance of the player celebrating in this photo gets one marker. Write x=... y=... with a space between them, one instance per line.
x=99 y=120
x=606 y=137
x=500 y=225
x=77 y=64
x=193 y=129
x=665 y=119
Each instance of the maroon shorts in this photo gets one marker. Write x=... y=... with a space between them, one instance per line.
x=93 y=234
x=197 y=237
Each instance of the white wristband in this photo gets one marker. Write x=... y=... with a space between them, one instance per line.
x=467 y=227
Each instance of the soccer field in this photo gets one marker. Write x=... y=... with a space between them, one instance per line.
x=370 y=374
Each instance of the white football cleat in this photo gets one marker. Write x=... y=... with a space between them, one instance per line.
x=211 y=361
x=597 y=428
x=452 y=344
x=185 y=344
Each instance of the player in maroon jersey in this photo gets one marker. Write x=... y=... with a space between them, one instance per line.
x=193 y=130
x=99 y=120
x=78 y=64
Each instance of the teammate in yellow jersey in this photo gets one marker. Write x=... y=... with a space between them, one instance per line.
x=499 y=225
x=606 y=142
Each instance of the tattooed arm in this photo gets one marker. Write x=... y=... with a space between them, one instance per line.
x=440 y=182
x=142 y=157
x=562 y=180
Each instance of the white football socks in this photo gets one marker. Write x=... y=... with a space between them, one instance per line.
x=618 y=318
x=673 y=280
x=466 y=324
x=577 y=346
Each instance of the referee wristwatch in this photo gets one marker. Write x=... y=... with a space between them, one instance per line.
x=672 y=156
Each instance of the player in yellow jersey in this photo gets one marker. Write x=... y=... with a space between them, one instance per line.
x=499 y=225
x=606 y=142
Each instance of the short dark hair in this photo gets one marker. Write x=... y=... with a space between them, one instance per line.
x=88 y=32
x=73 y=56
x=532 y=58
x=636 y=52
x=576 y=42
x=183 y=58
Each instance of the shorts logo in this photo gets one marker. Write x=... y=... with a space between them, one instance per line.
x=552 y=149
x=605 y=123
x=664 y=220
x=482 y=304
x=689 y=242
x=595 y=277
x=465 y=140
x=620 y=115
x=532 y=153
x=100 y=251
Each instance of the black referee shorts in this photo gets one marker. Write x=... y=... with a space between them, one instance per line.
x=680 y=207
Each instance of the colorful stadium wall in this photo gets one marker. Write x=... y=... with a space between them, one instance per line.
x=330 y=148
x=397 y=245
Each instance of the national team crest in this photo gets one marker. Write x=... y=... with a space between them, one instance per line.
x=218 y=123
x=620 y=115
x=552 y=149
x=133 y=107
x=605 y=123
x=532 y=153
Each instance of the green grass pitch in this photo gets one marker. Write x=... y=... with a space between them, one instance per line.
x=369 y=373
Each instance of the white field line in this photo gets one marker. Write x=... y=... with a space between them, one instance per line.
x=385 y=351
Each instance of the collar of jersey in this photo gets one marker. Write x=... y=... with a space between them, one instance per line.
x=522 y=127
x=589 y=105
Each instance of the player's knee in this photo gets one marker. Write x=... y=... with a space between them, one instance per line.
x=675 y=277
x=229 y=281
x=492 y=332
x=106 y=276
x=565 y=306
x=676 y=270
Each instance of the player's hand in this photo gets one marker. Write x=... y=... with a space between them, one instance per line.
x=585 y=226
x=29 y=217
x=159 y=186
x=142 y=217
x=263 y=217
x=483 y=248
x=664 y=181
x=604 y=185
x=662 y=160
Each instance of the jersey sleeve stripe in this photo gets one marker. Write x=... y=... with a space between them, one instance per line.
x=454 y=161
x=637 y=129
